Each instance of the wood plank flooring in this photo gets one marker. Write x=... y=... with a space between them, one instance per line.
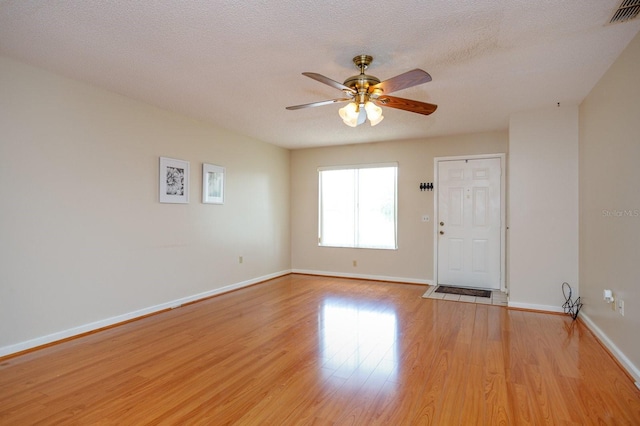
x=324 y=351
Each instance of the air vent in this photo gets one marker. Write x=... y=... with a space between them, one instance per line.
x=628 y=10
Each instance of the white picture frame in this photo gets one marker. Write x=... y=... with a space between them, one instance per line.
x=213 y=184
x=174 y=181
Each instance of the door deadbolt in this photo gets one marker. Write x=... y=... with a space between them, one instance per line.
x=441 y=223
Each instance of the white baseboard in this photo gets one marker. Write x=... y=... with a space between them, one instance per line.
x=615 y=351
x=533 y=307
x=85 y=328
x=363 y=277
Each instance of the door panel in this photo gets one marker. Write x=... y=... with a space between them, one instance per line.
x=479 y=255
x=469 y=231
x=456 y=206
x=479 y=208
x=456 y=254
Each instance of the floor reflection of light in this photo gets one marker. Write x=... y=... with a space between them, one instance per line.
x=354 y=338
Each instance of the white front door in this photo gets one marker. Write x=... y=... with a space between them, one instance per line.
x=469 y=223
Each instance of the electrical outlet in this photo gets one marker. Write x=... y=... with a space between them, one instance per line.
x=355 y=263
x=425 y=218
x=620 y=303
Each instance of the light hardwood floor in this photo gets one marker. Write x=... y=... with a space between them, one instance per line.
x=313 y=350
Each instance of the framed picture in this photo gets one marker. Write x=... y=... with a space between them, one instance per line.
x=174 y=181
x=212 y=184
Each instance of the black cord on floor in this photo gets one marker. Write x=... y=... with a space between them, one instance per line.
x=570 y=307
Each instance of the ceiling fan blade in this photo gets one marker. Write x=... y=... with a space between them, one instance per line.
x=403 y=81
x=406 y=104
x=320 y=103
x=326 y=80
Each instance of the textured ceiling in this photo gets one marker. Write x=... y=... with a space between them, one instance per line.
x=238 y=64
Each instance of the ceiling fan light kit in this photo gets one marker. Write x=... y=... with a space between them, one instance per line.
x=353 y=114
x=366 y=93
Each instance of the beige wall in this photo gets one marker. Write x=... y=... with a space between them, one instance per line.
x=610 y=205
x=543 y=207
x=413 y=261
x=83 y=236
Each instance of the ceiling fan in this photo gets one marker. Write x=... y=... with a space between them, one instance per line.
x=366 y=94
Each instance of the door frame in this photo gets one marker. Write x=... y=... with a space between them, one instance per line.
x=503 y=211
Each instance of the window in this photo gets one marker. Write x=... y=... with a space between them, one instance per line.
x=358 y=206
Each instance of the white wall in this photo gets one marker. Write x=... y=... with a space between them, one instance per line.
x=413 y=260
x=610 y=206
x=543 y=207
x=84 y=240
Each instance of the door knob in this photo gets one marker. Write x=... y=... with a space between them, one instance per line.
x=441 y=223
x=441 y=232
